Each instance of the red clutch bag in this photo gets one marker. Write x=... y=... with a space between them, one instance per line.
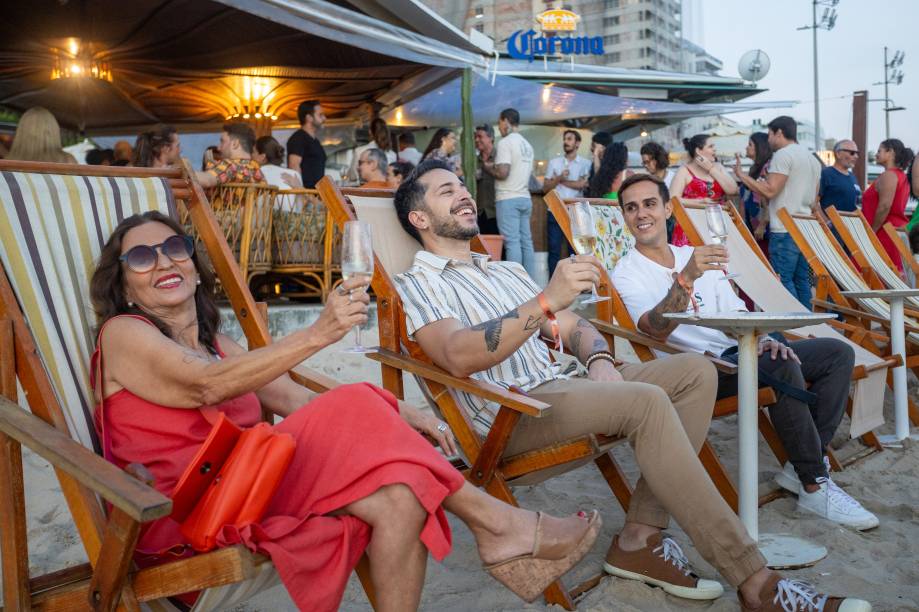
x=231 y=479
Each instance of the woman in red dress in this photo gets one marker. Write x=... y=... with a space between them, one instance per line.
x=361 y=478
x=701 y=178
x=885 y=200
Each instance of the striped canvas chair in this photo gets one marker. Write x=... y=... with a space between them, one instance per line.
x=877 y=268
x=613 y=320
x=836 y=273
x=758 y=280
x=54 y=220
x=394 y=252
x=900 y=238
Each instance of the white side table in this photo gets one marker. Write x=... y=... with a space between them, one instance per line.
x=780 y=550
x=895 y=297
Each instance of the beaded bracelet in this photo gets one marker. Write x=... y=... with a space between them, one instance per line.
x=604 y=355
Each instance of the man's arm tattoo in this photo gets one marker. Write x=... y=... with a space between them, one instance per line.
x=577 y=335
x=675 y=301
x=532 y=323
x=492 y=329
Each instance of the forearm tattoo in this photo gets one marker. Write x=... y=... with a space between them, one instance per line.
x=582 y=347
x=675 y=301
x=492 y=329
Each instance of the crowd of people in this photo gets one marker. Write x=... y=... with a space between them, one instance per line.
x=158 y=328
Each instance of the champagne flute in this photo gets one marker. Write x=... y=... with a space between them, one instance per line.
x=357 y=262
x=584 y=238
x=717 y=227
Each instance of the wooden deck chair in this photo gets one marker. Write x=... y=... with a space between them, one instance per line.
x=394 y=252
x=836 y=273
x=900 y=238
x=54 y=219
x=613 y=319
x=876 y=266
x=759 y=281
x=304 y=242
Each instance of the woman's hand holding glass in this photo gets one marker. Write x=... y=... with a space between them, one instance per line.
x=345 y=308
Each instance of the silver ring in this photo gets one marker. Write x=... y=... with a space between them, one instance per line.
x=350 y=298
x=442 y=427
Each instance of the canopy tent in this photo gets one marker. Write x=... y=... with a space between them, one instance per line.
x=544 y=104
x=192 y=62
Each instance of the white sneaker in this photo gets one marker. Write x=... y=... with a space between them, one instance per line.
x=834 y=504
x=788 y=478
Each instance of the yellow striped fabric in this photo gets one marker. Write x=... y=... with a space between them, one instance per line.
x=52 y=229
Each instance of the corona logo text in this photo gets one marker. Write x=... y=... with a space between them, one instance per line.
x=527 y=45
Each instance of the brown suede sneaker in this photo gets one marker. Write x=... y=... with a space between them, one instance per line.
x=784 y=595
x=660 y=563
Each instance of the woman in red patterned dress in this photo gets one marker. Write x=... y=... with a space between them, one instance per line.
x=361 y=478
x=701 y=178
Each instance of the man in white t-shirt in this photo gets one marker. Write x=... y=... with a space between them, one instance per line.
x=567 y=174
x=512 y=168
x=792 y=183
x=656 y=278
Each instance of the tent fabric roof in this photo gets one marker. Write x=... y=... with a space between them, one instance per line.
x=180 y=61
x=538 y=103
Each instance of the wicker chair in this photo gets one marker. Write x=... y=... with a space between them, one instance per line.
x=304 y=243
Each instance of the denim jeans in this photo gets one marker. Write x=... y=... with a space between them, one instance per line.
x=555 y=239
x=514 y=225
x=790 y=265
x=805 y=431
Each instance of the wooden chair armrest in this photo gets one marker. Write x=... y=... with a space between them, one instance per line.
x=131 y=496
x=509 y=399
x=312 y=380
x=638 y=337
x=857 y=313
x=848 y=327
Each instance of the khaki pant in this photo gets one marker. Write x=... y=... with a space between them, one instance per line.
x=664 y=408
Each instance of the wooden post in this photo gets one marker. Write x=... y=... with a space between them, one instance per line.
x=860 y=135
x=468 y=138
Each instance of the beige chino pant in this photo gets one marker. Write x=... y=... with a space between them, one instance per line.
x=664 y=408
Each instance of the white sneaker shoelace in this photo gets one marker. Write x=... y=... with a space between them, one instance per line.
x=798 y=596
x=841 y=500
x=672 y=553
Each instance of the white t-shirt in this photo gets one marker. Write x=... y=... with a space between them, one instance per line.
x=578 y=168
x=800 y=190
x=410 y=155
x=513 y=149
x=643 y=283
x=273 y=176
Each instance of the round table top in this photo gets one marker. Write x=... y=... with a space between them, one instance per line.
x=750 y=322
x=883 y=293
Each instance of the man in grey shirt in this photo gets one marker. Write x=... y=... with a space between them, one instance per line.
x=792 y=183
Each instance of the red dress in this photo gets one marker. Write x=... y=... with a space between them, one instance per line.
x=351 y=441
x=896 y=216
x=696 y=189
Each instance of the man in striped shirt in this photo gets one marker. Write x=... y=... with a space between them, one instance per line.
x=478 y=318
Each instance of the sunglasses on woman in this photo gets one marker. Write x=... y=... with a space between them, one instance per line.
x=143 y=258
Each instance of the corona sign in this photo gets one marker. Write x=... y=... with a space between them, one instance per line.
x=558 y=20
x=529 y=44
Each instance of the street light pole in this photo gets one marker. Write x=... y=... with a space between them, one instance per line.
x=827 y=21
x=817 y=146
x=886 y=98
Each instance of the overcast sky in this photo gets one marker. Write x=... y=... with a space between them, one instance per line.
x=851 y=58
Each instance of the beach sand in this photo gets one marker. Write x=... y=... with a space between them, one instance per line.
x=881 y=565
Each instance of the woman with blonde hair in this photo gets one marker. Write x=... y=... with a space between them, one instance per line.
x=38 y=138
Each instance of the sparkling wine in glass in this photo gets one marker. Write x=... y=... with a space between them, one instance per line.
x=717 y=227
x=356 y=262
x=584 y=238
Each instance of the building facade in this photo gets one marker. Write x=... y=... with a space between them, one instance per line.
x=643 y=34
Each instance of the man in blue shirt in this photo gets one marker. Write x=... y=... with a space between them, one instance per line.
x=837 y=182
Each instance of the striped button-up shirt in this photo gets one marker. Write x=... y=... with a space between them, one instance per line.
x=436 y=288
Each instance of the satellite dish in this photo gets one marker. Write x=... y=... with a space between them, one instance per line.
x=753 y=65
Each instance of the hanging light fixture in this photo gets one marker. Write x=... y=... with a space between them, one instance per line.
x=253 y=99
x=79 y=61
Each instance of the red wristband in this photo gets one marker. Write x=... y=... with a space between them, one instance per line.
x=553 y=322
x=687 y=286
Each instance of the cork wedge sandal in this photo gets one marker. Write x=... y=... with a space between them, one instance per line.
x=527 y=576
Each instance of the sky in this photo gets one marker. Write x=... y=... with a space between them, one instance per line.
x=851 y=58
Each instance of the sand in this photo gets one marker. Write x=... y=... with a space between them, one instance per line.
x=881 y=565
